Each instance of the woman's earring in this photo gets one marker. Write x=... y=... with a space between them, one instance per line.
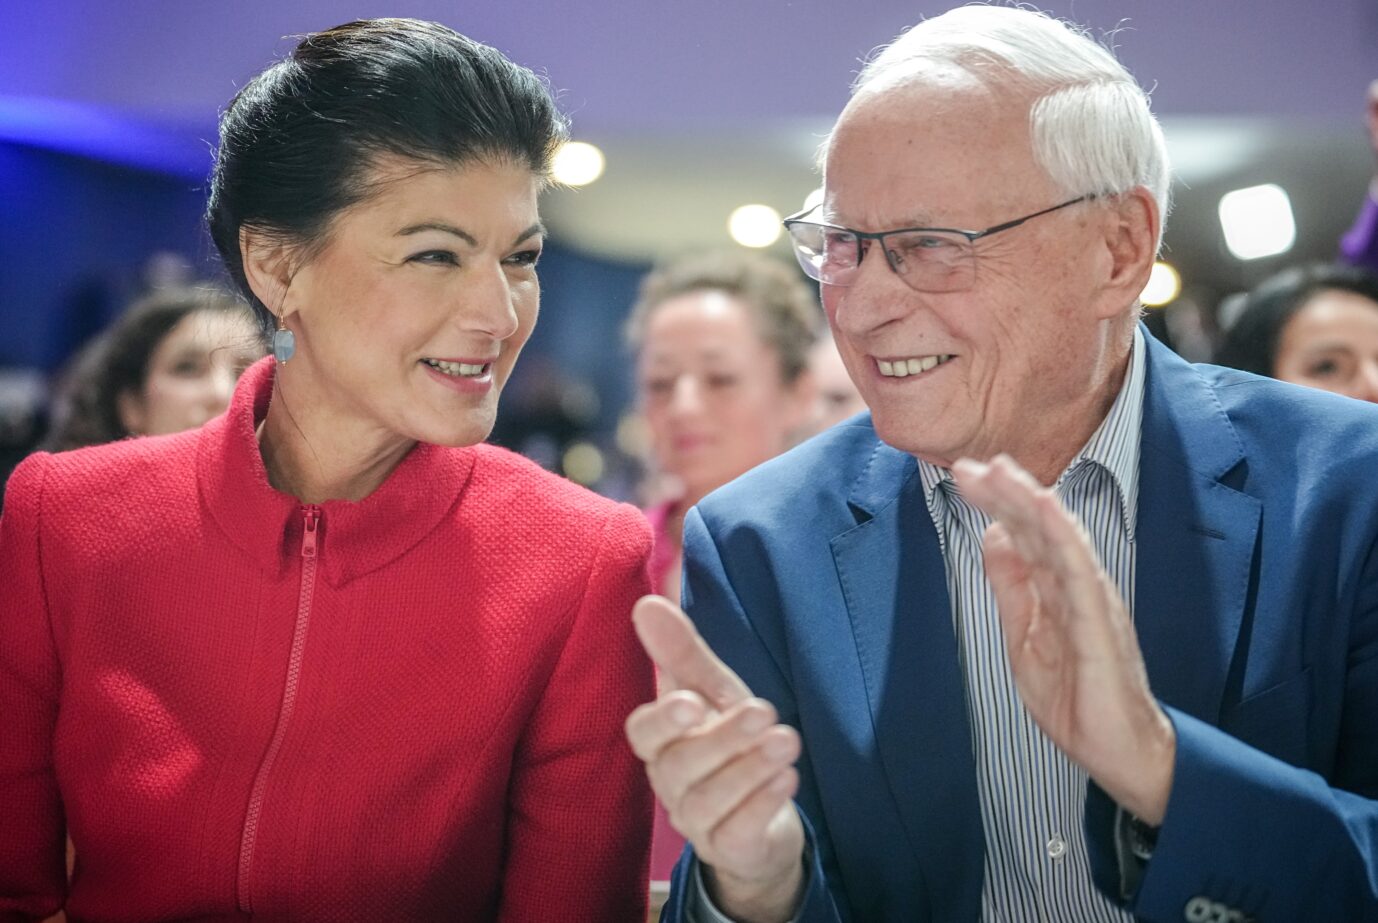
x=284 y=342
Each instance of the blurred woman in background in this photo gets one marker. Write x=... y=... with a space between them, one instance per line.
x=1312 y=325
x=722 y=346
x=838 y=397
x=169 y=363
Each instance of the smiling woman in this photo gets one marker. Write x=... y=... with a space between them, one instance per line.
x=328 y=657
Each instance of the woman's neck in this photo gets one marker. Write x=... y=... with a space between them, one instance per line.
x=315 y=457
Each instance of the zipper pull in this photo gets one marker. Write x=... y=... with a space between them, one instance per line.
x=312 y=516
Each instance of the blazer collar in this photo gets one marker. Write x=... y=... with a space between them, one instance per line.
x=1196 y=537
x=893 y=581
x=355 y=538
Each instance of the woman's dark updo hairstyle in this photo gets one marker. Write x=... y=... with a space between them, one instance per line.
x=1251 y=342
x=298 y=141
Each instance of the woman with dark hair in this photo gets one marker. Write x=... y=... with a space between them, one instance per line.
x=1312 y=325
x=169 y=363
x=328 y=657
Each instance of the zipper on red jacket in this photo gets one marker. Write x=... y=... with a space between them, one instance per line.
x=311 y=518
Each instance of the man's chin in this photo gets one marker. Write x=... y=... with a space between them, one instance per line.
x=913 y=438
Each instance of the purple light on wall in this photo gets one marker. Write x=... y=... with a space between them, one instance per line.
x=104 y=134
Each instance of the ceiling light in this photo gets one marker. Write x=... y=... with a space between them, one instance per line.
x=577 y=163
x=1164 y=285
x=1257 y=221
x=754 y=225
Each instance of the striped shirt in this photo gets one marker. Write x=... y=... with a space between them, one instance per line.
x=1032 y=797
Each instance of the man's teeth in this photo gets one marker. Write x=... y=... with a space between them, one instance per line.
x=459 y=369
x=902 y=368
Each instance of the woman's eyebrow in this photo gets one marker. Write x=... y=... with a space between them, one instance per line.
x=439 y=226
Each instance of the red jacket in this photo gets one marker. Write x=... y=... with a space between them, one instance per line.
x=407 y=708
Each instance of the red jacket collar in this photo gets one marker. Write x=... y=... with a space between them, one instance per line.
x=354 y=538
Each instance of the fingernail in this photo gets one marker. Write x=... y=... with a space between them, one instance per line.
x=682 y=714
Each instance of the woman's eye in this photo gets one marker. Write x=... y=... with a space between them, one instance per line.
x=658 y=386
x=1324 y=368
x=525 y=258
x=722 y=381
x=188 y=368
x=435 y=257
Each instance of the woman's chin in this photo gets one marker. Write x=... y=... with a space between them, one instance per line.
x=451 y=434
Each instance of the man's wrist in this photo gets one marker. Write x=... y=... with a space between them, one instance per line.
x=772 y=901
x=1144 y=789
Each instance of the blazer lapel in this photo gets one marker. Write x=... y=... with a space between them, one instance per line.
x=895 y=585
x=1196 y=538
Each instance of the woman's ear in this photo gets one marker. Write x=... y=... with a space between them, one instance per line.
x=267 y=267
x=129 y=407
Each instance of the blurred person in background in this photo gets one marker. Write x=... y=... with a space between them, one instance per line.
x=328 y=656
x=168 y=364
x=722 y=344
x=838 y=397
x=1311 y=325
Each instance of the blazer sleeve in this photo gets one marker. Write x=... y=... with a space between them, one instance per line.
x=580 y=809
x=1250 y=833
x=717 y=612
x=33 y=871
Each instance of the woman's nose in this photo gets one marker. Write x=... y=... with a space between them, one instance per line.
x=687 y=396
x=487 y=305
x=1367 y=381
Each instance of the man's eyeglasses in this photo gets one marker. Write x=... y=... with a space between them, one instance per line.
x=928 y=259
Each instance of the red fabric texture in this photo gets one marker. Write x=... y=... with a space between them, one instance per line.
x=666 y=843
x=454 y=747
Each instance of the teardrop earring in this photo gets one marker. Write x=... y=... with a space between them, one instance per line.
x=284 y=342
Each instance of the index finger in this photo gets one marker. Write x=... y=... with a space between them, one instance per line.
x=684 y=658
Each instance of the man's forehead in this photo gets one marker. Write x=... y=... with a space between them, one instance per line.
x=914 y=153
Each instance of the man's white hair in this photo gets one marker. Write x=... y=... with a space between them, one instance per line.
x=1090 y=123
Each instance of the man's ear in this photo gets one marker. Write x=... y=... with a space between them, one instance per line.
x=1131 y=238
x=268 y=267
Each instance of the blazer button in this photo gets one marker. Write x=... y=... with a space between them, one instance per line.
x=1203 y=910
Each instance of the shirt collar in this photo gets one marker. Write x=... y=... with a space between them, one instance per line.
x=1114 y=446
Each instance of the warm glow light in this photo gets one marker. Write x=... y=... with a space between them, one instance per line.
x=1257 y=221
x=1164 y=284
x=754 y=225
x=577 y=163
x=583 y=464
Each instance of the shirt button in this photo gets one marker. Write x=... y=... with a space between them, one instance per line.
x=1057 y=847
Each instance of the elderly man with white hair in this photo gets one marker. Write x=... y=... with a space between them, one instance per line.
x=1069 y=629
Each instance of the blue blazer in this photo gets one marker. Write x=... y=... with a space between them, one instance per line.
x=818 y=578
